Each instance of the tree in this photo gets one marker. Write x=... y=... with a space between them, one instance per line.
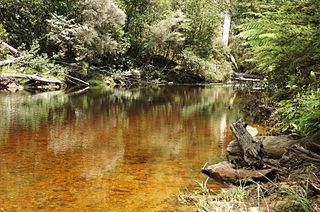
x=96 y=36
x=281 y=41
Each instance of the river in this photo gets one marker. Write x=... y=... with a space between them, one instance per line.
x=110 y=150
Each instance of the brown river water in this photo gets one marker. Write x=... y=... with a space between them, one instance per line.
x=110 y=150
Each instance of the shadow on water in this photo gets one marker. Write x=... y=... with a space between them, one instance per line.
x=116 y=150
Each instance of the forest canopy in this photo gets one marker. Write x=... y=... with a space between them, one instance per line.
x=180 y=36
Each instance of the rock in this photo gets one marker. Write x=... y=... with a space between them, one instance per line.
x=10 y=84
x=253 y=131
x=226 y=172
x=136 y=73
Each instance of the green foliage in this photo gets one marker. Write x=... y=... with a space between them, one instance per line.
x=25 y=20
x=97 y=35
x=298 y=201
x=62 y=32
x=166 y=37
x=281 y=41
x=301 y=114
x=3 y=33
x=3 y=37
x=39 y=63
x=204 y=25
x=119 y=34
x=210 y=69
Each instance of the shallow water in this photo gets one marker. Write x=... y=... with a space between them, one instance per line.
x=117 y=150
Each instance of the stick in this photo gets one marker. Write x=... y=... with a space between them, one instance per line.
x=13 y=50
x=9 y=61
x=76 y=79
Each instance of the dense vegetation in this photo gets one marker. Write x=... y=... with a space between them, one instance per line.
x=178 y=41
x=280 y=39
x=161 y=38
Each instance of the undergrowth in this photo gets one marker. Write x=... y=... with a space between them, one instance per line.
x=300 y=115
x=282 y=197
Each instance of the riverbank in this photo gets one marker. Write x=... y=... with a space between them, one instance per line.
x=269 y=173
x=15 y=81
x=258 y=197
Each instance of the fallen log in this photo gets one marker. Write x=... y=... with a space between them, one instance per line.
x=251 y=150
x=10 y=48
x=9 y=61
x=227 y=172
x=297 y=156
x=311 y=142
x=272 y=146
x=282 y=154
x=34 y=77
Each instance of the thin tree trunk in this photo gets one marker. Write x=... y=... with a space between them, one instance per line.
x=226 y=28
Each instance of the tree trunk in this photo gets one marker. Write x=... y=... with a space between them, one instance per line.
x=226 y=28
x=250 y=149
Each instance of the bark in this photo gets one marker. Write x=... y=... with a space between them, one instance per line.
x=305 y=151
x=272 y=146
x=311 y=142
x=226 y=28
x=285 y=155
x=226 y=172
x=251 y=150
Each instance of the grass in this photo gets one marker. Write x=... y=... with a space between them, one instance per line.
x=297 y=201
x=282 y=197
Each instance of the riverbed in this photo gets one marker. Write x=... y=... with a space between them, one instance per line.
x=110 y=150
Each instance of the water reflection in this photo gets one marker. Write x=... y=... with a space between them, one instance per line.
x=119 y=150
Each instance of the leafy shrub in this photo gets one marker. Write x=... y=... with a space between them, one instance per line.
x=301 y=114
x=36 y=63
x=208 y=68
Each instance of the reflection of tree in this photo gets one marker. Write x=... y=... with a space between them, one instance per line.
x=136 y=141
x=24 y=110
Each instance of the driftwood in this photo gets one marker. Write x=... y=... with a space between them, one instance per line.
x=227 y=172
x=76 y=79
x=272 y=146
x=311 y=142
x=34 y=77
x=251 y=150
x=10 y=48
x=283 y=154
x=297 y=156
x=9 y=61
